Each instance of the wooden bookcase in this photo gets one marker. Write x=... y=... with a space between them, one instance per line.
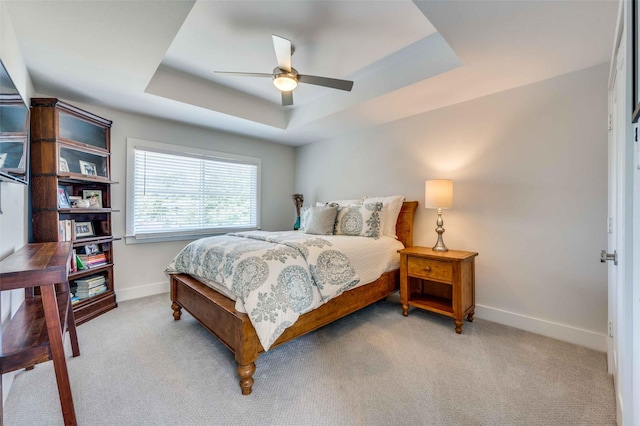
x=70 y=157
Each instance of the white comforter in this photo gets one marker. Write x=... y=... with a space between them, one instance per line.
x=277 y=276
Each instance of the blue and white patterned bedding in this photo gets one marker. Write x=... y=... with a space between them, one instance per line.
x=277 y=276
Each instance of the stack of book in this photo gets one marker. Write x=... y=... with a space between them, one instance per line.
x=92 y=260
x=90 y=286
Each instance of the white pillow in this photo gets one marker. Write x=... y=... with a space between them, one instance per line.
x=341 y=203
x=363 y=220
x=391 y=207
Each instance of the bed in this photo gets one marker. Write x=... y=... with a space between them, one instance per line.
x=218 y=313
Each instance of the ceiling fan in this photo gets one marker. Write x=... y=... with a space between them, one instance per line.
x=286 y=78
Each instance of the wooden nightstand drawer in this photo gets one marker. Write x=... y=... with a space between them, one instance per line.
x=430 y=269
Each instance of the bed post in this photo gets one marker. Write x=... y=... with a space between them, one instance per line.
x=246 y=351
x=177 y=309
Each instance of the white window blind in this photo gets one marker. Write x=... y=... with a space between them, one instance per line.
x=181 y=194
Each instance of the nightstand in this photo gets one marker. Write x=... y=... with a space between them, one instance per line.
x=442 y=282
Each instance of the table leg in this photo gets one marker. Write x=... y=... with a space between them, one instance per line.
x=50 y=305
x=1 y=399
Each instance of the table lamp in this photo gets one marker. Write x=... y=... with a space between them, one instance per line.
x=438 y=194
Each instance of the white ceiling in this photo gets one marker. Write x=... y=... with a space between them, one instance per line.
x=157 y=57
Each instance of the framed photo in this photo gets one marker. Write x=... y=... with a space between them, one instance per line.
x=635 y=60
x=90 y=249
x=87 y=168
x=64 y=166
x=94 y=196
x=63 y=198
x=84 y=229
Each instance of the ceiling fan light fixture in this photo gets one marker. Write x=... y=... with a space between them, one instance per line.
x=285 y=81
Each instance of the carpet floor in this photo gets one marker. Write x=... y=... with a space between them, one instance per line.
x=375 y=367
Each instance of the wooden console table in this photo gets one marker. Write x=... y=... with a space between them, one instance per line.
x=35 y=333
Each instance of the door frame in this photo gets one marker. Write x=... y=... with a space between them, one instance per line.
x=624 y=306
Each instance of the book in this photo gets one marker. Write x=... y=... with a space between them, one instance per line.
x=89 y=282
x=73 y=264
x=68 y=230
x=93 y=260
x=82 y=294
x=80 y=264
x=65 y=230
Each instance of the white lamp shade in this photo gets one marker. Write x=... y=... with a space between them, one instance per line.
x=438 y=194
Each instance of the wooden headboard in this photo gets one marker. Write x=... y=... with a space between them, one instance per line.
x=404 y=225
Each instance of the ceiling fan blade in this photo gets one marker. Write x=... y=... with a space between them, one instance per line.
x=244 y=74
x=287 y=98
x=282 y=47
x=326 y=82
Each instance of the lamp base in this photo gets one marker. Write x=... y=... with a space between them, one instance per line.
x=440 y=245
x=440 y=230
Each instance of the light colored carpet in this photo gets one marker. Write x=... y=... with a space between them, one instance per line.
x=140 y=367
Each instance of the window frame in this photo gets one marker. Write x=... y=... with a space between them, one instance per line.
x=187 y=151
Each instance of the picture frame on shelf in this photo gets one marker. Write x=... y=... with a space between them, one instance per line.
x=73 y=199
x=94 y=196
x=63 y=198
x=89 y=249
x=84 y=230
x=63 y=166
x=88 y=168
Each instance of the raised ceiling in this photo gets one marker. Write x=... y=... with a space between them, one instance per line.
x=157 y=57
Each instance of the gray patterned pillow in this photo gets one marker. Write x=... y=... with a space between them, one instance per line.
x=363 y=220
x=320 y=220
x=304 y=217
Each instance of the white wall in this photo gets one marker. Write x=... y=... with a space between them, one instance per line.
x=139 y=268
x=13 y=197
x=530 y=172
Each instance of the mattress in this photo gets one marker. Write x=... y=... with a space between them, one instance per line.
x=369 y=257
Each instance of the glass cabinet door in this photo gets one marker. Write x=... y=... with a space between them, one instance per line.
x=76 y=129
x=12 y=154
x=72 y=160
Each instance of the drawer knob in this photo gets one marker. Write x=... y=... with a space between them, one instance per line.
x=427 y=269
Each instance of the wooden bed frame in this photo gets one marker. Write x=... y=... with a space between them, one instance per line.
x=217 y=313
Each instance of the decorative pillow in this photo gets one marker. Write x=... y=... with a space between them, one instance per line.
x=363 y=220
x=304 y=217
x=320 y=220
x=341 y=203
x=344 y=203
x=391 y=209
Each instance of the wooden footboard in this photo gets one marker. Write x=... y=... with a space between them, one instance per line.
x=217 y=314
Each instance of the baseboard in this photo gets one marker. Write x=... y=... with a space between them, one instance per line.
x=142 y=291
x=7 y=382
x=566 y=333
x=619 y=408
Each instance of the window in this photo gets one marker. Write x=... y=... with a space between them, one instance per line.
x=178 y=192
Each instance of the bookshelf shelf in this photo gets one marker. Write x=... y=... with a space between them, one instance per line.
x=90 y=271
x=70 y=153
x=89 y=210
